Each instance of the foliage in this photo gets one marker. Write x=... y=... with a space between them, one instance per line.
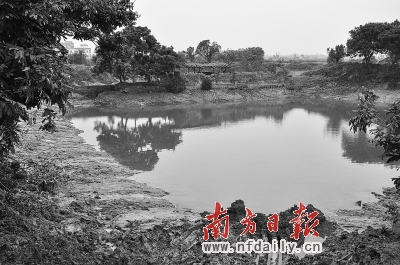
x=114 y=53
x=10 y=173
x=301 y=65
x=335 y=55
x=175 y=84
x=207 y=50
x=190 y=54
x=277 y=68
x=250 y=59
x=390 y=40
x=134 y=51
x=121 y=69
x=387 y=131
x=32 y=60
x=369 y=39
x=14 y=174
x=164 y=61
x=228 y=56
x=77 y=58
x=45 y=175
x=80 y=74
x=10 y=114
x=48 y=123
x=182 y=56
x=206 y=83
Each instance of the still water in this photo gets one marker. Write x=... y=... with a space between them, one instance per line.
x=270 y=156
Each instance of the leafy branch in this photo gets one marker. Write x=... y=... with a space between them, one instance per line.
x=387 y=132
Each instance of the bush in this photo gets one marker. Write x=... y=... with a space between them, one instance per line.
x=206 y=83
x=10 y=173
x=175 y=84
x=77 y=58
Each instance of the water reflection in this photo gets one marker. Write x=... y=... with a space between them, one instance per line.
x=137 y=146
x=268 y=155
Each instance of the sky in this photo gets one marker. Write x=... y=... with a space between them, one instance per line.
x=282 y=27
x=278 y=26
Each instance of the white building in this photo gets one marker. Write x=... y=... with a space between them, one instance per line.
x=70 y=46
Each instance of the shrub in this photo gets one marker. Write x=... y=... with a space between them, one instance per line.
x=206 y=83
x=175 y=84
x=10 y=173
x=77 y=58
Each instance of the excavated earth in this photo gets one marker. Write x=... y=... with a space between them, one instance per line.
x=112 y=219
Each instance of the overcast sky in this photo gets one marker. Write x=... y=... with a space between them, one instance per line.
x=279 y=26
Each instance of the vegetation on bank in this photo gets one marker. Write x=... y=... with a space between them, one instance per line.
x=82 y=75
x=360 y=74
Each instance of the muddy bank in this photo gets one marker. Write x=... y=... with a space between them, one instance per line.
x=137 y=97
x=93 y=176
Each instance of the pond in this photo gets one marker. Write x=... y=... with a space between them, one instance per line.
x=270 y=156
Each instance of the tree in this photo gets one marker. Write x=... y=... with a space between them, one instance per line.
x=159 y=63
x=390 y=41
x=165 y=59
x=228 y=56
x=364 y=40
x=207 y=50
x=387 y=131
x=190 y=53
x=134 y=50
x=32 y=60
x=182 y=56
x=335 y=55
x=251 y=59
x=125 y=52
x=77 y=58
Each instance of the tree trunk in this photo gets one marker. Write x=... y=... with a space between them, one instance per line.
x=368 y=57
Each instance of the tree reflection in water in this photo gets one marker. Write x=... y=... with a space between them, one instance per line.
x=137 y=147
